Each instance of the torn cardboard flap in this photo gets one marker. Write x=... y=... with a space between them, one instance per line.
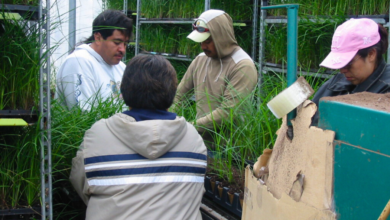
x=260 y=204
x=301 y=168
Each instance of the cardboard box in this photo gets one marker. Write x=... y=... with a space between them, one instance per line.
x=300 y=179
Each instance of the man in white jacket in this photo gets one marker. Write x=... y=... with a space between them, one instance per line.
x=94 y=70
x=144 y=163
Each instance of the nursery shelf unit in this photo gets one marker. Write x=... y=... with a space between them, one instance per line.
x=18 y=12
x=140 y=20
x=41 y=15
x=25 y=11
x=265 y=67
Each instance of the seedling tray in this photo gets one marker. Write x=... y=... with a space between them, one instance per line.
x=221 y=197
x=21 y=213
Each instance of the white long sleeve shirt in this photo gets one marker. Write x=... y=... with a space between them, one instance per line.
x=85 y=77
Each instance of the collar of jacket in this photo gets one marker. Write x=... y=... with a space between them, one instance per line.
x=340 y=83
x=93 y=53
x=150 y=114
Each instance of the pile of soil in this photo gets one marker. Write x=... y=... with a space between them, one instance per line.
x=369 y=100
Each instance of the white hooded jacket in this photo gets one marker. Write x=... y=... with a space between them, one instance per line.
x=85 y=76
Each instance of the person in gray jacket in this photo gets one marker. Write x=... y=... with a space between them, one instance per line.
x=357 y=48
x=144 y=163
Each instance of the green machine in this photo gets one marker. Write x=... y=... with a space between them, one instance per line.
x=361 y=158
x=361 y=187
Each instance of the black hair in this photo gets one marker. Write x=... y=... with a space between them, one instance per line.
x=149 y=82
x=380 y=47
x=108 y=21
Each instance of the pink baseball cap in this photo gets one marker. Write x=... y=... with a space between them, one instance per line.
x=348 y=39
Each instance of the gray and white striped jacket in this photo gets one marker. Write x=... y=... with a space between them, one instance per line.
x=150 y=169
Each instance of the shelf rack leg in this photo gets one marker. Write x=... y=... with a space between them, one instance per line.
x=292 y=49
x=72 y=25
x=254 y=28
x=124 y=12
x=137 y=27
x=263 y=16
x=44 y=107
x=206 y=5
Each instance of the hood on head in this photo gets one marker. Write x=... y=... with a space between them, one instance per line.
x=221 y=29
x=151 y=138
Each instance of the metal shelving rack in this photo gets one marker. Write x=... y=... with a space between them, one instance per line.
x=141 y=20
x=42 y=16
x=19 y=117
x=264 y=20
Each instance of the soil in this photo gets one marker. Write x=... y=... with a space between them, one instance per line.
x=236 y=186
x=379 y=102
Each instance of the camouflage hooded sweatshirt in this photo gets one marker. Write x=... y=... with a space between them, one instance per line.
x=218 y=83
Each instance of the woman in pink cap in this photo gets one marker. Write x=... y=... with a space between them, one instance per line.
x=357 y=48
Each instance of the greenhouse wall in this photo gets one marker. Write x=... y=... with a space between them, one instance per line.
x=86 y=11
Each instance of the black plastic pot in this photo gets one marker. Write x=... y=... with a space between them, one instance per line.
x=220 y=196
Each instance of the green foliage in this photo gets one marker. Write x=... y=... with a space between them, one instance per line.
x=168 y=38
x=171 y=8
x=334 y=7
x=314 y=41
x=118 y=4
x=19 y=64
x=20 y=163
x=21 y=2
x=249 y=127
x=20 y=167
x=237 y=9
x=68 y=128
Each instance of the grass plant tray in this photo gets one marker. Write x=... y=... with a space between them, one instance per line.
x=168 y=19
x=212 y=211
x=30 y=116
x=181 y=56
x=26 y=11
x=21 y=213
x=168 y=54
x=280 y=66
x=220 y=196
x=382 y=19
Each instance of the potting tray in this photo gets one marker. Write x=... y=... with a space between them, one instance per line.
x=221 y=197
x=26 y=11
x=20 y=213
x=212 y=211
x=29 y=116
